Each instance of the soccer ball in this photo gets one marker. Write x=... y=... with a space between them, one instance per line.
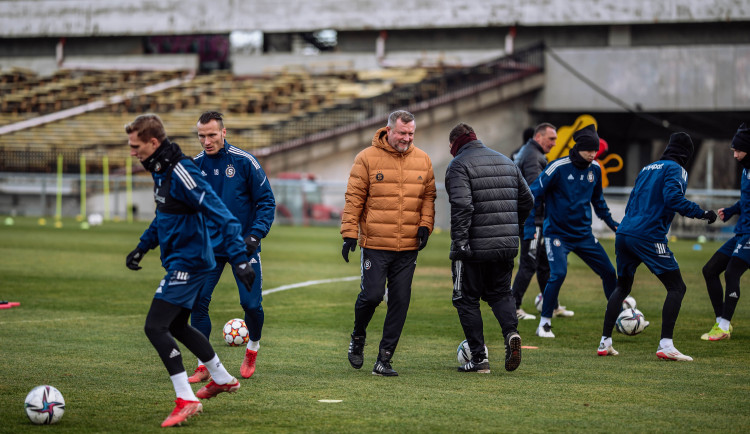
x=236 y=332
x=44 y=405
x=628 y=303
x=95 y=219
x=463 y=353
x=630 y=322
x=538 y=302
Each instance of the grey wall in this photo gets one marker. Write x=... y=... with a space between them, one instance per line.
x=20 y=18
x=692 y=78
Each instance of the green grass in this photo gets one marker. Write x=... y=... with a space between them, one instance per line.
x=80 y=329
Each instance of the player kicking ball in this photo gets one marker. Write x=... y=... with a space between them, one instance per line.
x=184 y=201
x=658 y=193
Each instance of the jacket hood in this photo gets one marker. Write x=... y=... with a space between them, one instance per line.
x=380 y=140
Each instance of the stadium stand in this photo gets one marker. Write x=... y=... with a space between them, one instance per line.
x=290 y=106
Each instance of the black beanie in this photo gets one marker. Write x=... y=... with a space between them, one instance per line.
x=679 y=149
x=586 y=139
x=741 y=140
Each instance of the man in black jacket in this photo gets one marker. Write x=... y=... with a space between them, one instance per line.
x=489 y=201
x=531 y=160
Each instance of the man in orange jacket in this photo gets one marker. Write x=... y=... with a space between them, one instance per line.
x=390 y=208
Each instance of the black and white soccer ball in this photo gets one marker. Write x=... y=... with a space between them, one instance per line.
x=630 y=322
x=538 y=302
x=44 y=405
x=463 y=353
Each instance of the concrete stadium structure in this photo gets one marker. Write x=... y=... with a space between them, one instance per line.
x=643 y=69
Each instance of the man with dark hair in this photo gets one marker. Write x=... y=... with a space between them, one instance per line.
x=569 y=186
x=184 y=202
x=242 y=185
x=489 y=202
x=531 y=160
x=658 y=193
x=390 y=208
x=733 y=258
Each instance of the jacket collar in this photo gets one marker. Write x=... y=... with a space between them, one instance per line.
x=222 y=152
x=473 y=144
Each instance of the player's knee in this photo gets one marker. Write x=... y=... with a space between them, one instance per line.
x=252 y=306
x=153 y=329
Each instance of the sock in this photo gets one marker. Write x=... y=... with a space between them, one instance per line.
x=200 y=363
x=253 y=345
x=218 y=371
x=718 y=319
x=607 y=341
x=182 y=387
x=724 y=324
x=544 y=321
x=666 y=343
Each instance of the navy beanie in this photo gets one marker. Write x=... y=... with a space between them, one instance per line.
x=586 y=139
x=679 y=149
x=741 y=140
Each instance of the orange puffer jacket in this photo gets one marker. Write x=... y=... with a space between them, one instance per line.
x=389 y=196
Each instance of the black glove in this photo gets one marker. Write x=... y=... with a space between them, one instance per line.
x=349 y=245
x=709 y=215
x=245 y=274
x=422 y=235
x=134 y=258
x=252 y=244
x=462 y=251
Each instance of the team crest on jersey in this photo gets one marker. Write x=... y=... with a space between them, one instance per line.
x=368 y=264
x=230 y=171
x=379 y=176
x=590 y=176
x=556 y=242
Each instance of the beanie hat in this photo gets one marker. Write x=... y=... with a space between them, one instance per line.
x=679 y=149
x=741 y=140
x=586 y=139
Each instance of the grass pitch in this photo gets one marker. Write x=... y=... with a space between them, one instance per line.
x=80 y=329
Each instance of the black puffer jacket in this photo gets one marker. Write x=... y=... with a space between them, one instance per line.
x=531 y=160
x=489 y=201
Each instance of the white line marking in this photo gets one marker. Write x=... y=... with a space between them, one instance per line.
x=308 y=283
x=268 y=291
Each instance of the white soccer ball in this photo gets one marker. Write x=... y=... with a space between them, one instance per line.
x=628 y=303
x=44 y=405
x=95 y=219
x=630 y=322
x=538 y=302
x=236 y=332
x=463 y=353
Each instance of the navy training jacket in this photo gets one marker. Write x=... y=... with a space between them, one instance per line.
x=240 y=182
x=742 y=206
x=658 y=193
x=567 y=192
x=185 y=202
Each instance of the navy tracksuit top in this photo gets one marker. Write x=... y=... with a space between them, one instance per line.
x=242 y=185
x=185 y=203
x=567 y=192
x=658 y=193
